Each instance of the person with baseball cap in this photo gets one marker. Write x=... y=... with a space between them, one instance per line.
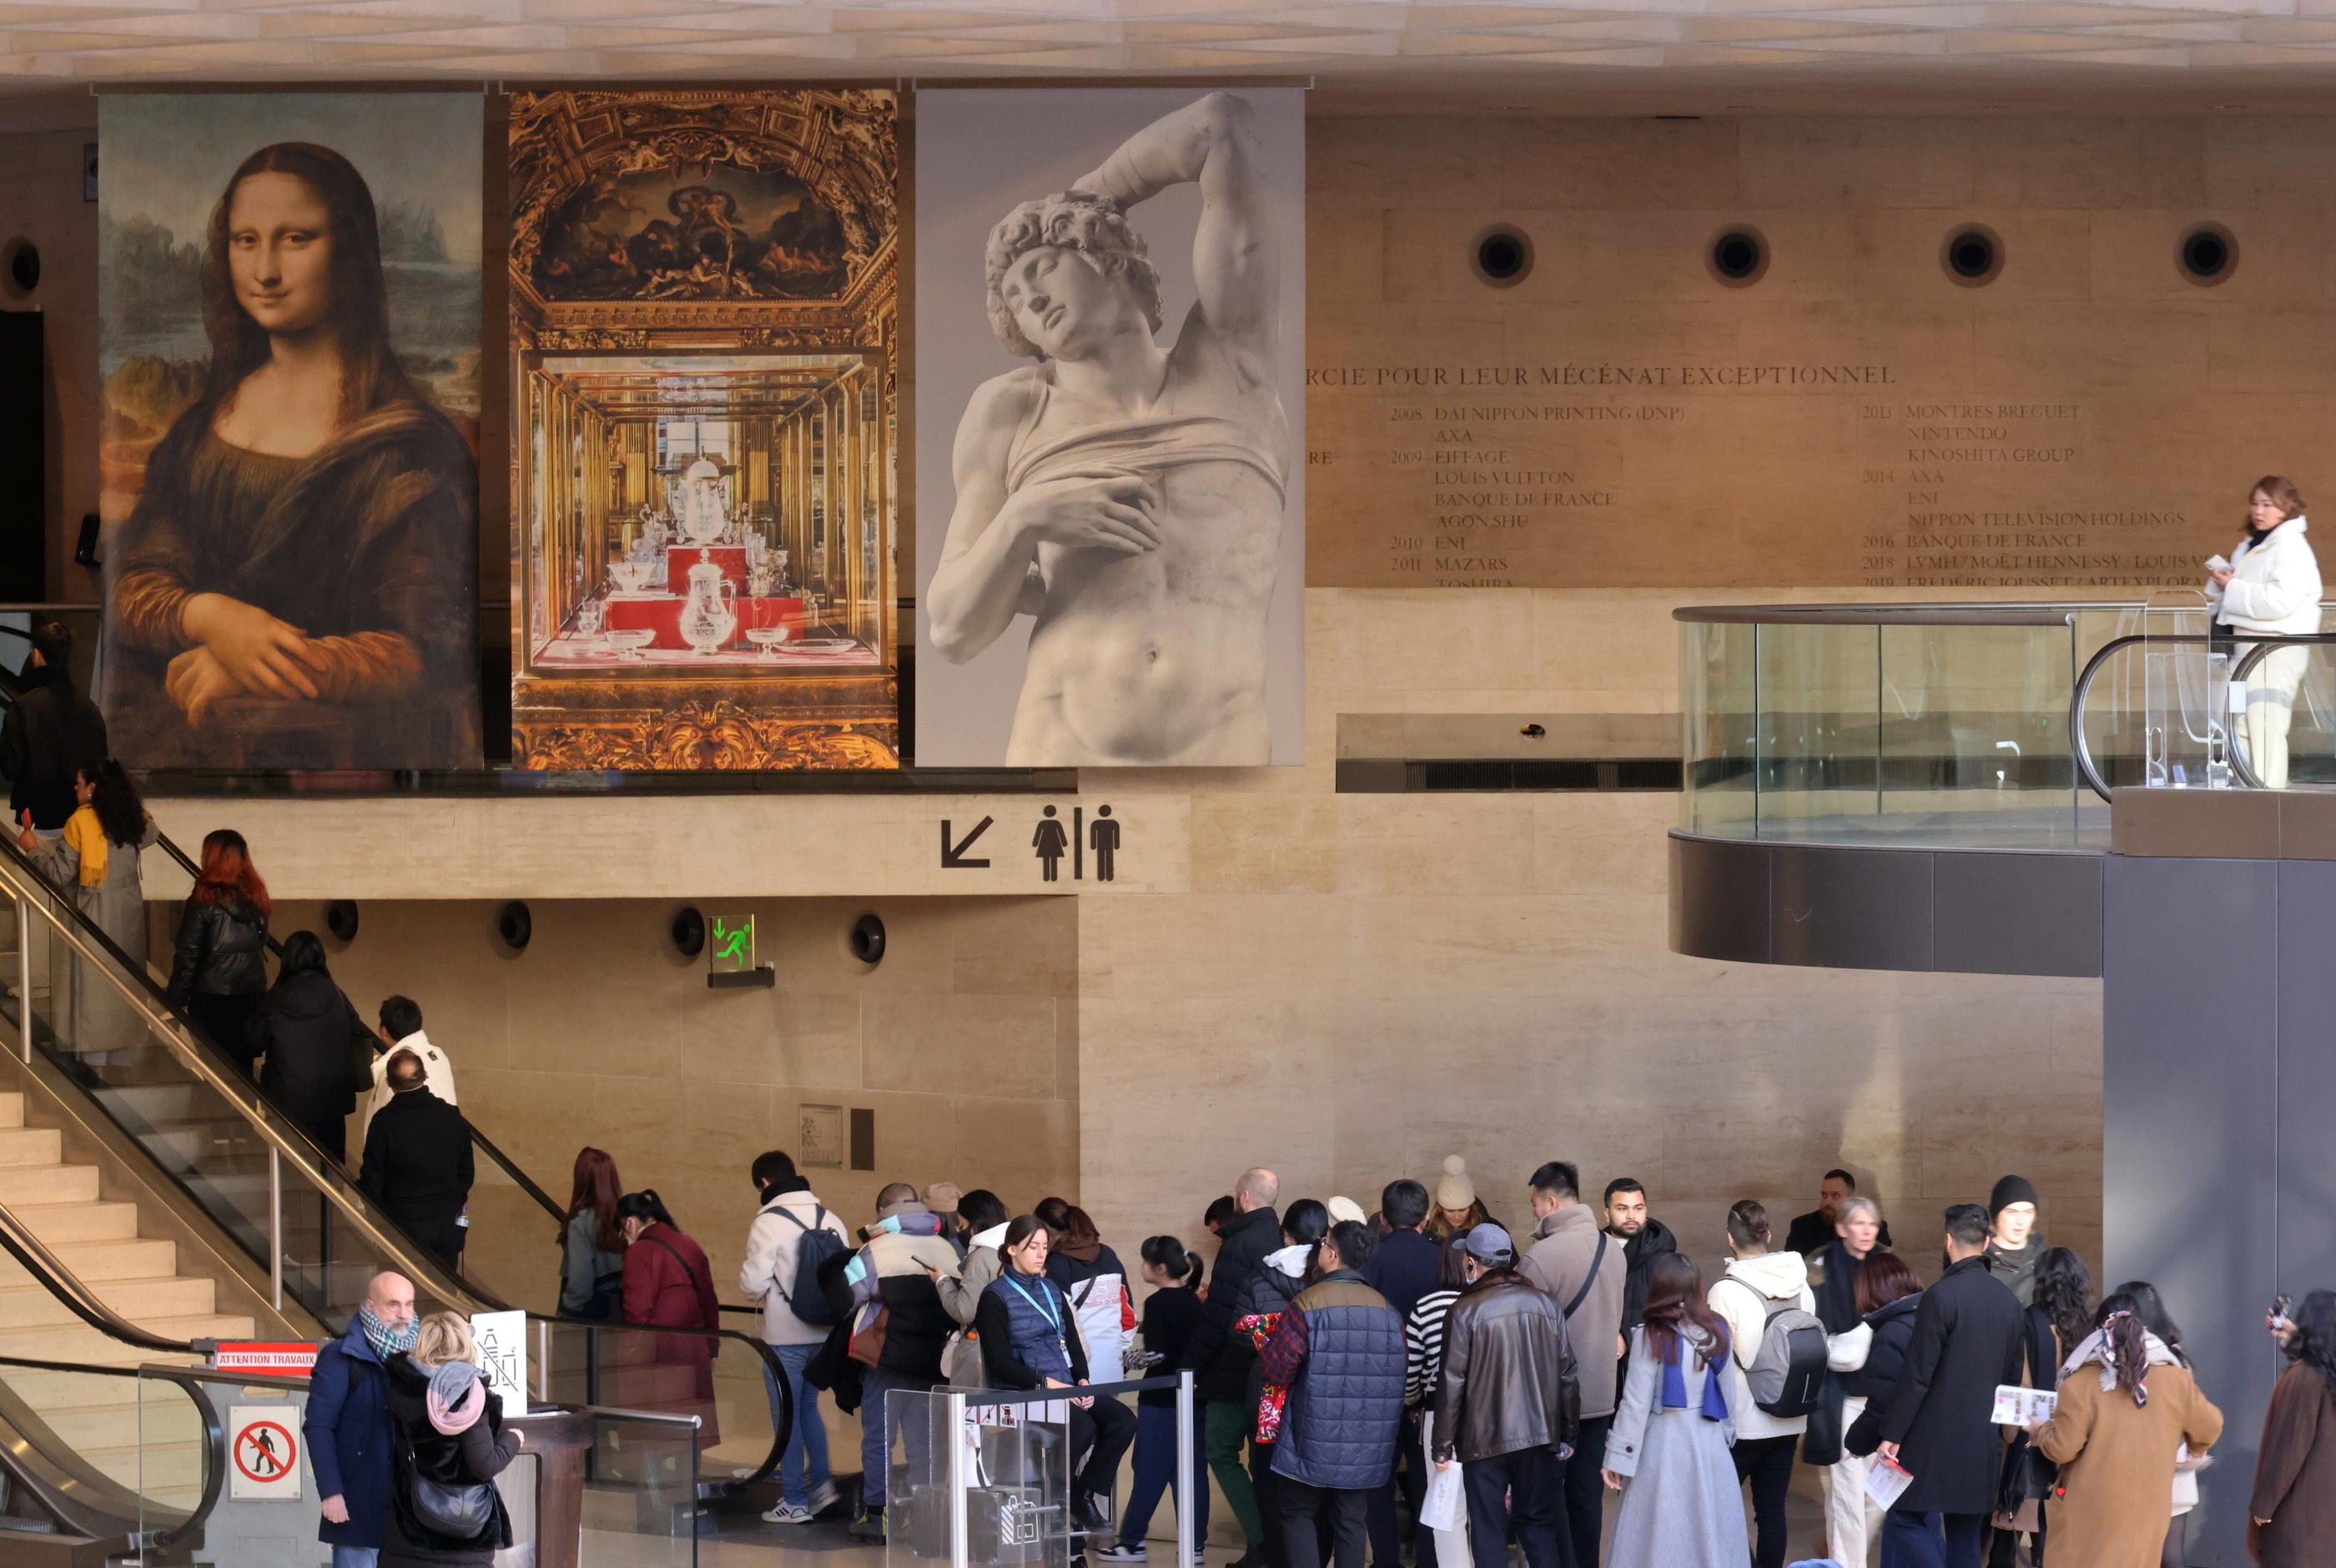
x=1508 y=1406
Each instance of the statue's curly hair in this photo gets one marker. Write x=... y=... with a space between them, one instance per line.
x=1076 y=220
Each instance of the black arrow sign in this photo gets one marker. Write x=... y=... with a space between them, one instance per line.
x=953 y=856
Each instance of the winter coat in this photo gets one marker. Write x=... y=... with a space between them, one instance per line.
x=1024 y=1330
x=1220 y=1358
x=1567 y=1244
x=1879 y=1356
x=1170 y=1314
x=116 y=905
x=1967 y=1342
x=890 y=1269
x=1338 y=1349
x=1403 y=1269
x=418 y=1162
x=1270 y=1290
x=1742 y=1296
x=221 y=951
x=319 y=1050
x=2111 y=1507
x=2296 y=1475
x=984 y=1262
x=773 y=1242
x=481 y=1452
x=346 y=1427
x=1682 y=1504
x=1833 y=1281
x=50 y=733
x=668 y=1284
x=1509 y=1380
x=1091 y=1274
x=1640 y=1253
x=1810 y=1232
x=584 y=1267
x=2275 y=586
x=2016 y=1270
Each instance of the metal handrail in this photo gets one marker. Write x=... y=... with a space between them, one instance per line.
x=2263 y=648
x=62 y=1283
x=214 y=1442
x=2028 y=614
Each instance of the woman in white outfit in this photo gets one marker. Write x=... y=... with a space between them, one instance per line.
x=2272 y=587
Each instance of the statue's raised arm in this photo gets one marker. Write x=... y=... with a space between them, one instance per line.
x=1236 y=268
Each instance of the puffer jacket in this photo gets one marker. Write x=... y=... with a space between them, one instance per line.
x=222 y=951
x=1339 y=1350
x=1270 y=1290
x=1509 y=1380
x=1891 y=1332
x=1092 y=1275
x=891 y=1270
x=1219 y=1356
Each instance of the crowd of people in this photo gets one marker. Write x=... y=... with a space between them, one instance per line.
x=1423 y=1374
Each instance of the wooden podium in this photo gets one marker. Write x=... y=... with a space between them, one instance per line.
x=557 y=1440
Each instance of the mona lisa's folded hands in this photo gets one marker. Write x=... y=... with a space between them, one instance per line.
x=259 y=651
x=195 y=680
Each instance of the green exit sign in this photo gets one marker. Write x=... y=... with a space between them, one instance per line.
x=730 y=953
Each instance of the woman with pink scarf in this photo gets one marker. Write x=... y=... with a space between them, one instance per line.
x=452 y=1444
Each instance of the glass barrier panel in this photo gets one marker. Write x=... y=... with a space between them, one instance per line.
x=640 y=1479
x=718 y=1383
x=1975 y=720
x=1818 y=749
x=1718 y=719
x=1005 y=1480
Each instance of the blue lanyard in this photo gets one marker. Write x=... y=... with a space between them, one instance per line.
x=1045 y=1303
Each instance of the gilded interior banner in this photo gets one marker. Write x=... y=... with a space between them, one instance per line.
x=289 y=314
x=1110 y=427
x=704 y=332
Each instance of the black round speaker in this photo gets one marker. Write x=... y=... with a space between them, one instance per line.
x=25 y=265
x=515 y=926
x=1503 y=255
x=1972 y=255
x=1739 y=256
x=868 y=938
x=341 y=919
x=2208 y=252
x=689 y=932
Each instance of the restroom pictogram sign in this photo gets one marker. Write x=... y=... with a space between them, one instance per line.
x=264 y=1445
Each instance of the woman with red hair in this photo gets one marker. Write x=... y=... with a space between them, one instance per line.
x=592 y=1247
x=220 y=974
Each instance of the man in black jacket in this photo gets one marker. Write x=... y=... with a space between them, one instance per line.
x=1940 y=1426
x=1219 y=1359
x=418 y=1161
x=52 y=732
x=1644 y=1238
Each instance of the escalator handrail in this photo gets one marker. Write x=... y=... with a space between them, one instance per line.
x=197 y=1054
x=47 y=1271
x=2263 y=647
x=214 y=1429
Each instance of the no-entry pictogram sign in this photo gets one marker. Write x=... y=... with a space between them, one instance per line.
x=264 y=1445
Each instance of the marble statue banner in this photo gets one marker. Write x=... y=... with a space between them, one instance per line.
x=289 y=313
x=1110 y=331
x=703 y=335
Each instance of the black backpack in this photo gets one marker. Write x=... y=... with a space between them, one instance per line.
x=807 y=1300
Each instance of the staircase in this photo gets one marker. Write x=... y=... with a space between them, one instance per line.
x=137 y=1278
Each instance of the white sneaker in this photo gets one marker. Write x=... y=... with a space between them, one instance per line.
x=1116 y=1553
x=822 y=1497
x=787 y=1514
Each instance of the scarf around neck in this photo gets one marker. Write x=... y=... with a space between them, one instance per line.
x=385 y=1341
x=1715 y=1398
x=2094 y=1348
x=456 y=1397
x=87 y=839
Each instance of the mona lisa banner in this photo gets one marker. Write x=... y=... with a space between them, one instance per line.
x=289 y=304
x=1110 y=334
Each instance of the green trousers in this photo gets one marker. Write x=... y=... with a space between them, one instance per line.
x=1226 y=1428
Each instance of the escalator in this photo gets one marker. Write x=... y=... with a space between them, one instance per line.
x=182 y=1146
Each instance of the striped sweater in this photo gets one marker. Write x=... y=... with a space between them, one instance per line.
x=1422 y=1344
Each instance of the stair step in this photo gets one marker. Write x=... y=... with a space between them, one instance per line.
x=12 y=1110
x=27 y=1185
x=57 y=1223
x=79 y=1342
x=31 y=1146
x=27 y=1304
x=94 y=1262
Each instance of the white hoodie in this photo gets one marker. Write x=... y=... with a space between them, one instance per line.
x=1741 y=1297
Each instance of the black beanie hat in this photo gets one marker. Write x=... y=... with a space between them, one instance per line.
x=2010 y=1190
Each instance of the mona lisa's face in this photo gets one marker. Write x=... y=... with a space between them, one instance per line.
x=279 y=245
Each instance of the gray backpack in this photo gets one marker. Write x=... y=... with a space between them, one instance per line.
x=1789 y=1374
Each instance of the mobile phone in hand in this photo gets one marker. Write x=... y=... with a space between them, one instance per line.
x=2279 y=1309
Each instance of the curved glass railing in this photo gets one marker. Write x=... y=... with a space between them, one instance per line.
x=94 y=1034
x=1961 y=725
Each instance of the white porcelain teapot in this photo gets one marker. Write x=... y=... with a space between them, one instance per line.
x=709 y=616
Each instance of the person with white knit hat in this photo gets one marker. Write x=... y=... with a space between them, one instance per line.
x=1457 y=1207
